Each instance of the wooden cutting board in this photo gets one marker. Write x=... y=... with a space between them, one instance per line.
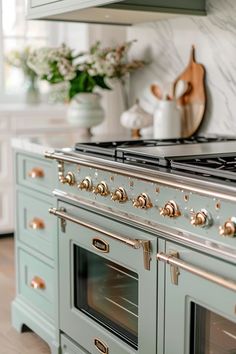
x=194 y=100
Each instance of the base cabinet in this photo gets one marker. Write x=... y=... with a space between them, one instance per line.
x=36 y=301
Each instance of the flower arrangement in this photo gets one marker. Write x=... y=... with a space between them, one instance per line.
x=85 y=71
x=19 y=59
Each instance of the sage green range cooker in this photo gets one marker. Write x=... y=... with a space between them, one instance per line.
x=143 y=254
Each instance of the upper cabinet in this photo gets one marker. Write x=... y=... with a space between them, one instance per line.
x=122 y=12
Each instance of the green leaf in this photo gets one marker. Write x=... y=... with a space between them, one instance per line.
x=100 y=81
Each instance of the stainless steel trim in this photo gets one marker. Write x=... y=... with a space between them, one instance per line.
x=136 y=243
x=161 y=177
x=172 y=234
x=173 y=261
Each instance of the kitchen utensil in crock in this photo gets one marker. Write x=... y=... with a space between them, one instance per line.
x=156 y=91
x=181 y=88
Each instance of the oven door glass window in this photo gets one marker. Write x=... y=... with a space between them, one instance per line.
x=211 y=333
x=108 y=293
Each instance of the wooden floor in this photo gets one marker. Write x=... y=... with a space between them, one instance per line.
x=12 y=342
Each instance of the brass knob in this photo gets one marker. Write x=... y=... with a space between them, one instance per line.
x=86 y=184
x=119 y=195
x=201 y=218
x=37 y=224
x=198 y=219
x=170 y=209
x=142 y=201
x=36 y=172
x=102 y=189
x=228 y=229
x=38 y=283
x=68 y=179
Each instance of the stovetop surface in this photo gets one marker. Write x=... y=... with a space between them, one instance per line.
x=115 y=148
x=212 y=157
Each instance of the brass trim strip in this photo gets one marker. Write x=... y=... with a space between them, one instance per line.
x=214 y=278
x=164 y=178
x=136 y=244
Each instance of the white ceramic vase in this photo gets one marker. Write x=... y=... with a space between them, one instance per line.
x=167 y=120
x=85 y=111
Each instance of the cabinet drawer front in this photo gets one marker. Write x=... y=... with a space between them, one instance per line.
x=35 y=173
x=36 y=227
x=69 y=347
x=36 y=282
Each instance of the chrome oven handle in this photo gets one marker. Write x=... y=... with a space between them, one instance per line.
x=176 y=263
x=136 y=243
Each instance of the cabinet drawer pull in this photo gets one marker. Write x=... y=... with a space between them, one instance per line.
x=135 y=243
x=36 y=172
x=38 y=283
x=37 y=224
x=178 y=263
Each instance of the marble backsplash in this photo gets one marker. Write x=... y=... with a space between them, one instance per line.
x=166 y=46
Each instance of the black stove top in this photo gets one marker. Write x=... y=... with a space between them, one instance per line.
x=117 y=148
x=215 y=166
x=211 y=156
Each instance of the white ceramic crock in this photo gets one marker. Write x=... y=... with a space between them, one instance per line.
x=167 y=120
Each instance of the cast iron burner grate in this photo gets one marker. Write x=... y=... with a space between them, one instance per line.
x=221 y=166
x=113 y=149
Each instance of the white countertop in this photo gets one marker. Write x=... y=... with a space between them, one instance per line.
x=39 y=145
x=18 y=108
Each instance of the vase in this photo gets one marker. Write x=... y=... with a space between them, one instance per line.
x=85 y=111
x=32 y=95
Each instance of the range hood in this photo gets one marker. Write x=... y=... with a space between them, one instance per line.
x=125 y=12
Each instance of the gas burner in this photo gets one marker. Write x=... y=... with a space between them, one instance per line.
x=218 y=166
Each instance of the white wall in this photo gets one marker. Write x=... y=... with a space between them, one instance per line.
x=166 y=44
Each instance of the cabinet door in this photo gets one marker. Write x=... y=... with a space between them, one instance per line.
x=200 y=310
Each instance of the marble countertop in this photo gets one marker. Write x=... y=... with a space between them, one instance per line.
x=39 y=145
x=8 y=108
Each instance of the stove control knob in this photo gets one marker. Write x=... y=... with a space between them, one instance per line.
x=86 y=184
x=228 y=229
x=142 y=201
x=200 y=218
x=68 y=179
x=119 y=195
x=102 y=189
x=170 y=209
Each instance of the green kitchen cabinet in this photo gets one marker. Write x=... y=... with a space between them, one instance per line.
x=124 y=12
x=36 y=301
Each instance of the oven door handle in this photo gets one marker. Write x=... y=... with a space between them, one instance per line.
x=175 y=263
x=135 y=243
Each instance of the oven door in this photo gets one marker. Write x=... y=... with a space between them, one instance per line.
x=200 y=303
x=107 y=283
